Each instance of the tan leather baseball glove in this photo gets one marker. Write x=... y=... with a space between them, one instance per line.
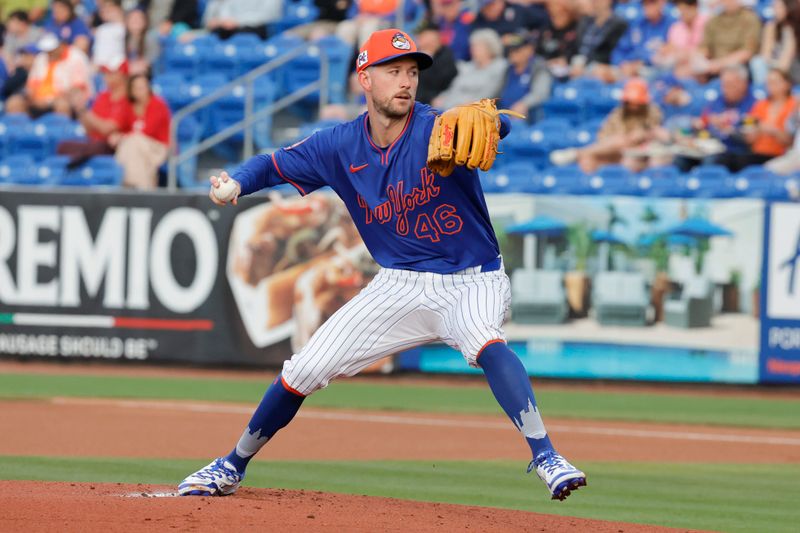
x=466 y=135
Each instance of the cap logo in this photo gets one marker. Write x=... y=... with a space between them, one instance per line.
x=362 y=59
x=400 y=42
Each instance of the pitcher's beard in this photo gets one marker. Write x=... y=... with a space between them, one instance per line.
x=391 y=109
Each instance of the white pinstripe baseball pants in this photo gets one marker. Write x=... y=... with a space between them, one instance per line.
x=398 y=310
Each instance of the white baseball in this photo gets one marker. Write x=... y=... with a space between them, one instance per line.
x=226 y=190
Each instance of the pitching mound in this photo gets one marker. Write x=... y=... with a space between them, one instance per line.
x=89 y=507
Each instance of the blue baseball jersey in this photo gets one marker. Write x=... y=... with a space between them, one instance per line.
x=409 y=217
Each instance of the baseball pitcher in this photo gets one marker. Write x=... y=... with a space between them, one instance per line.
x=408 y=176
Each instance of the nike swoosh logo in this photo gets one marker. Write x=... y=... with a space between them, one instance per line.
x=359 y=167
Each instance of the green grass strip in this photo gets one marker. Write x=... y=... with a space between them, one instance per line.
x=724 y=497
x=625 y=406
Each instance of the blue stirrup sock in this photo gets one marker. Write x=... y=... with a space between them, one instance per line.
x=276 y=409
x=511 y=386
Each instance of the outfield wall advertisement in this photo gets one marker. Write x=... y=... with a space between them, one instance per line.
x=157 y=277
x=780 y=321
x=171 y=277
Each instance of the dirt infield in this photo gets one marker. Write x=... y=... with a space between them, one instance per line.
x=99 y=507
x=91 y=427
x=112 y=428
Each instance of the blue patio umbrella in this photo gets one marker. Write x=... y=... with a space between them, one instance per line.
x=674 y=239
x=606 y=236
x=606 y=239
x=541 y=225
x=699 y=228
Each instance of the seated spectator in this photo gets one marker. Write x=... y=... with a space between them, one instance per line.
x=111 y=113
x=142 y=45
x=643 y=40
x=432 y=81
x=58 y=70
x=330 y=15
x=624 y=135
x=508 y=18
x=723 y=117
x=683 y=40
x=528 y=81
x=766 y=130
x=145 y=148
x=19 y=33
x=367 y=16
x=598 y=33
x=729 y=38
x=778 y=45
x=171 y=17
x=480 y=78
x=455 y=24
x=68 y=26
x=558 y=41
x=18 y=76
x=229 y=17
x=109 y=37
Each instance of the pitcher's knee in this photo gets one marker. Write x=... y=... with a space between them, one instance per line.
x=304 y=379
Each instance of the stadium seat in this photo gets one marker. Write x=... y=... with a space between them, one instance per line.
x=188 y=135
x=339 y=56
x=517 y=177
x=10 y=123
x=658 y=181
x=223 y=59
x=565 y=108
x=614 y=180
x=28 y=140
x=98 y=171
x=52 y=169
x=753 y=182
x=18 y=169
x=585 y=133
x=564 y=180
x=295 y=14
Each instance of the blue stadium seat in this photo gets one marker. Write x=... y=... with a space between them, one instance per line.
x=187 y=58
x=28 y=140
x=339 y=56
x=295 y=14
x=599 y=104
x=18 y=169
x=711 y=172
x=52 y=169
x=10 y=123
x=658 y=181
x=524 y=143
x=223 y=59
x=189 y=134
x=585 y=132
x=98 y=171
x=244 y=40
x=754 y=182
x=566 y=108
x=57 y=128
x=614 y=180
x=565 y=180
x=517 y=177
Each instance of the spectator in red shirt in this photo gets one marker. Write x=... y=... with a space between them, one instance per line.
x=111 y=113
x=146 y=147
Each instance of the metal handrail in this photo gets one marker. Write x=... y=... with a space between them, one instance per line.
x=250 y=117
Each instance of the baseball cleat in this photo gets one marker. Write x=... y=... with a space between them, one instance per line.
x=220 y=478
x=556 y=472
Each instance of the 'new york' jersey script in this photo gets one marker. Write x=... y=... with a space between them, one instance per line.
x=409 y=217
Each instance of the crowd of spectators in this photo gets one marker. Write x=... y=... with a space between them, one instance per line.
x=62 y=56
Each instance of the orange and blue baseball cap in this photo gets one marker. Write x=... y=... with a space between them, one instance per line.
x=387 y=45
